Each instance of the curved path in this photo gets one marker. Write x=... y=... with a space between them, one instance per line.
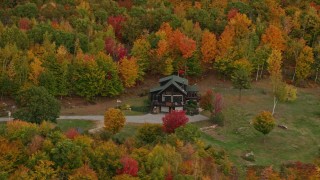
x=147 y=118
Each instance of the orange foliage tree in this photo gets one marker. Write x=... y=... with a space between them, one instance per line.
x=114 y=120
x=129 y=70
x=274 y=37
x=208 y=47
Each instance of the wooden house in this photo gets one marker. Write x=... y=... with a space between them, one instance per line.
x=172 y=94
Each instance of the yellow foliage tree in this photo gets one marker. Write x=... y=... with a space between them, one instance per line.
x=114 y=120
x=208 y=47
x=129 y=71
x=36 y=70
x=84 y=172
x=304 y=62
x=241 y=24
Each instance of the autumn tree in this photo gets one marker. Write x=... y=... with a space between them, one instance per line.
x=114 y=120
x=141 y=51
x=173 y=120
x=274 y=38
x=208 y=47
x=129 y=166
x=36 y=105
x=279 y=88
x=304 y=63
x=264 y=122
x=206 y=101
x=83 y=172
x=129 y=70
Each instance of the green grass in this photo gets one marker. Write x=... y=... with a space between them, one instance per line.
x=128 y=131
x=299 y=143
x=84 y=125
x=137 y=103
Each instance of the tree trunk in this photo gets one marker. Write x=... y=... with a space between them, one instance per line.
x=261 y=72
x=240 y=94
x=294 y=75
x=315 y=80
x=257 y=75
x=275 y=101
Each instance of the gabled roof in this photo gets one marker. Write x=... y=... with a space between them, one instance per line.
x=168 y=84
x=175 y=78
x=175 y=85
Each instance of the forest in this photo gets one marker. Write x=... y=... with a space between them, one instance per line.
x=101 y=48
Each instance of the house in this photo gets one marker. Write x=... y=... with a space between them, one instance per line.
x=172 y=94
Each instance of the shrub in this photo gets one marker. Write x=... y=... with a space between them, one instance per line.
x=72 y=133
x=264 y=122
x=189 y=133
x=149 y=133
x=114 y=120
x=191 y=108
x=20 y=130
x=129 y=166
x=218 y=119
x=105 y=135
x=173 y=120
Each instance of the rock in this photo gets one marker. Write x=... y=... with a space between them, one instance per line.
x=282 y=126
x=249 y=156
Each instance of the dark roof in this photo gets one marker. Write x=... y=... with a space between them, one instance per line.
x=175 y=78
x=168 y=84
x=193 y=88
x=175 y=85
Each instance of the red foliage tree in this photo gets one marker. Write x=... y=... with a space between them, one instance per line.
x=24 y=24
x=71 y=133
x=117 y=51
x=121 y=52
x=206 y=101
x=232 y=13
x=173 y=120
x=129 y=166
x=110 y=45
x=218 y=103
x=116 y=23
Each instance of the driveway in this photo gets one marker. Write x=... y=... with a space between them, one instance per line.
x=147 y=118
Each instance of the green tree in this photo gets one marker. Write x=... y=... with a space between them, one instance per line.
x=241 y=80
x=13 y=35
x=88 y=79
x=112 y=85
x=66 y=155
x=149 y=133
x=29 y=10
x=141 y=51
x=36 y=105
x=188 y=133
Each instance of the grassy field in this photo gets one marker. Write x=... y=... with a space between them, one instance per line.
x=300 y=142
x=81 y=124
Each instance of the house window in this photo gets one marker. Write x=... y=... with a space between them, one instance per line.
x=166 y=98
x=178 y=99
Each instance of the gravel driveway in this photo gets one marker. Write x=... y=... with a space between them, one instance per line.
x=147 y=118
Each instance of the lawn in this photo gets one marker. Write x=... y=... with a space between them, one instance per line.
x=300 y=142
x=82 y=125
